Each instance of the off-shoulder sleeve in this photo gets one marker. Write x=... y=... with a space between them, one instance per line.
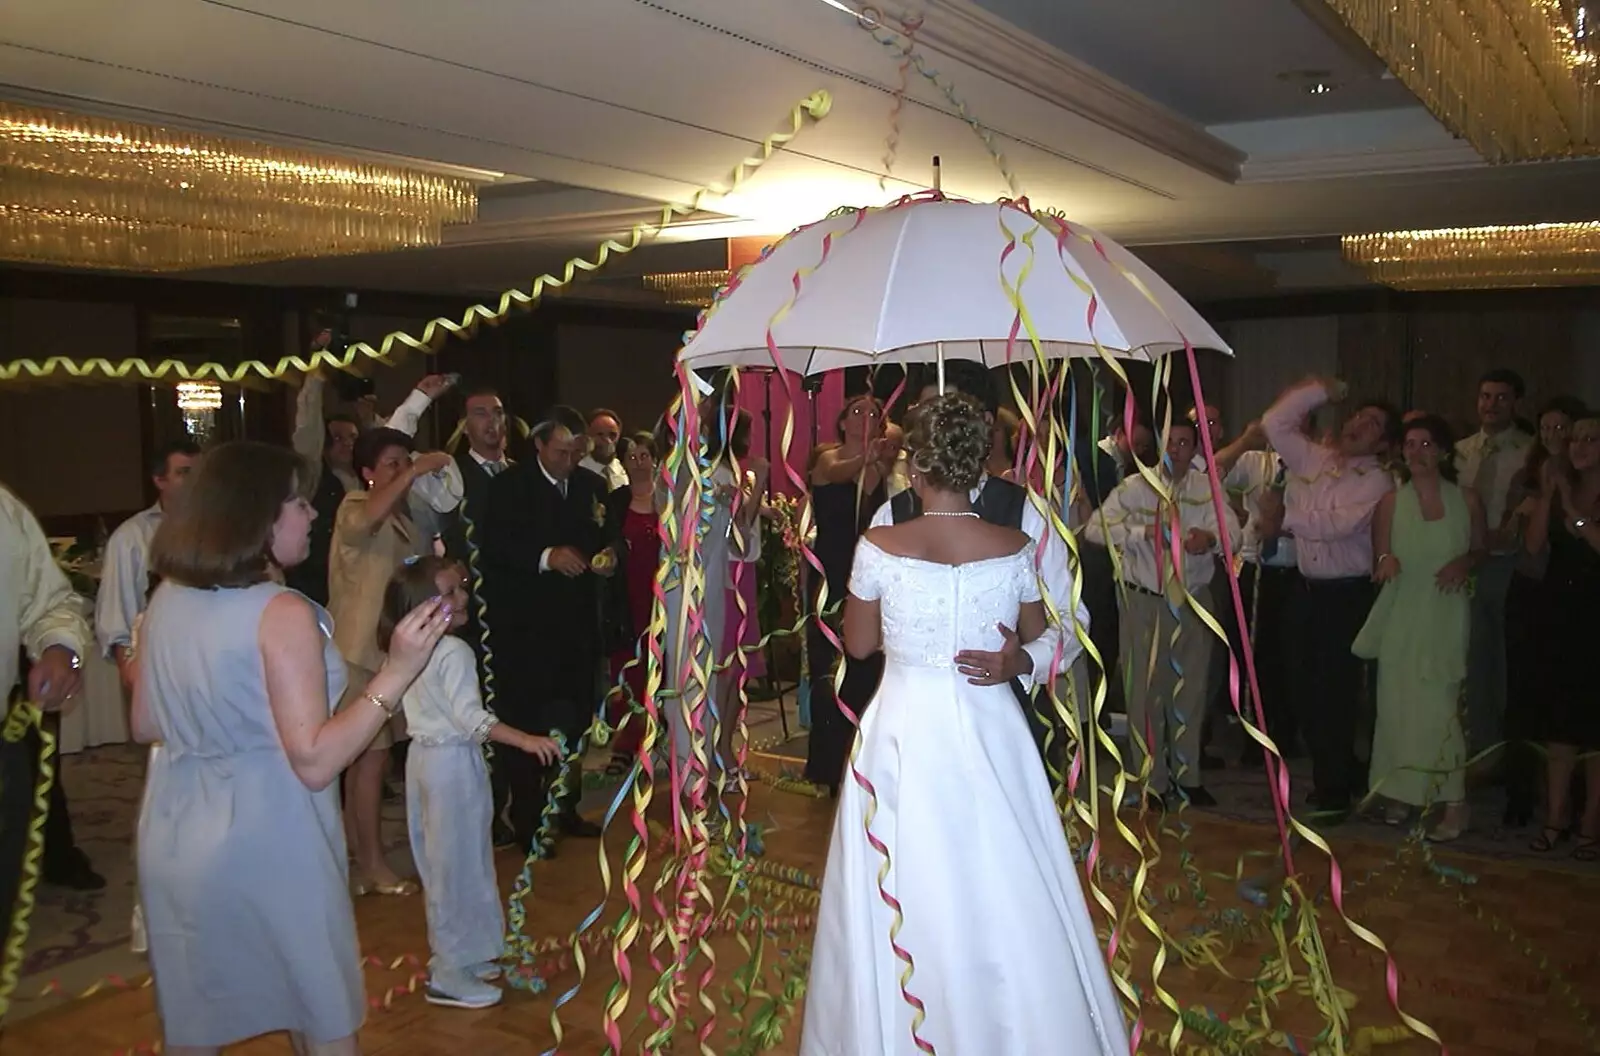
x=866 y=574
x=1028 y=576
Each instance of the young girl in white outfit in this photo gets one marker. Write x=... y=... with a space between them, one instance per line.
x=448 y=802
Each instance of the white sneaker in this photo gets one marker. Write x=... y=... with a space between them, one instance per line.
x=455 y=988
x=139 y=942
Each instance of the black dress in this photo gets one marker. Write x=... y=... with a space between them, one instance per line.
x=840 y=521
x=1572 y=593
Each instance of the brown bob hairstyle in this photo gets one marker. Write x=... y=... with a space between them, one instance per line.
x=414 y=583
x=220 y=534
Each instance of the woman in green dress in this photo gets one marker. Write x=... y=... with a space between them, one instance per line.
x=1429 y=535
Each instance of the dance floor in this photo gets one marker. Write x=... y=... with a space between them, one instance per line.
x=1498 y=956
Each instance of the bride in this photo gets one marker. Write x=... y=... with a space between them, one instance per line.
x=991 y=920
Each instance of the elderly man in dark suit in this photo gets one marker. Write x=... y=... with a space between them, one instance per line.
x=541 y=534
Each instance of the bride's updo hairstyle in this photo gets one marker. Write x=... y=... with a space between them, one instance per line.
x=948 y=441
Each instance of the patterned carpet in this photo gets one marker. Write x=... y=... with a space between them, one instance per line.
x=80 y=939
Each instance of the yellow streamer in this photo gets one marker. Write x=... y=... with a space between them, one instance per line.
x=22 y=716
x=434 y=334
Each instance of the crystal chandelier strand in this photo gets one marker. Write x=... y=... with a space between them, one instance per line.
x=1518 y=79
x=1480 y=257
x=89 y=191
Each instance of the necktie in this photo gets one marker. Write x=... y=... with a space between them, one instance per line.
x=561 y=486
x=1483 y=479
x=494 y=469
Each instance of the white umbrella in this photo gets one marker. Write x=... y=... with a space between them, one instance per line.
x=925 y=279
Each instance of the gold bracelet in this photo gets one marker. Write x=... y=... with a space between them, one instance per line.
x=378 y=699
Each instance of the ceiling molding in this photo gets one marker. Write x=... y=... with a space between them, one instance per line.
x=962 y=30
x=1319 y=165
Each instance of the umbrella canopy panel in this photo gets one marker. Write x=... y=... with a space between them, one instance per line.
x=932 y=276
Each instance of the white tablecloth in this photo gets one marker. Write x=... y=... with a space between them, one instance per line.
x=98 y=715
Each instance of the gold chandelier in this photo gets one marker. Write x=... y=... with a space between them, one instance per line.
x=1455 y=258
x=92 y=192
x=688 y=287
x=1518 y=79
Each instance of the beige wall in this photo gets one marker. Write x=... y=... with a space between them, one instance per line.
x=70 y=449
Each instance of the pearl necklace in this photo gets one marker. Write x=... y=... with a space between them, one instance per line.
x=950 y=513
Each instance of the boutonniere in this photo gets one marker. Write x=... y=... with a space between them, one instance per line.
x=600 y=513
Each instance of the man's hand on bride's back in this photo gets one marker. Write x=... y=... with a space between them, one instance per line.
x=995 y=669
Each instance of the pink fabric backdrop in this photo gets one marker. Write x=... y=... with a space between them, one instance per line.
x=756 y=388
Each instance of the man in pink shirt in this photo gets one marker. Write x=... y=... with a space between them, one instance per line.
x=1331 y=494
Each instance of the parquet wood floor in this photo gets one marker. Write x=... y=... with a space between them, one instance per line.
x=1484 y=991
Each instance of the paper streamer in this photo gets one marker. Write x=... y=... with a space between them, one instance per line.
x=436 y=332
x=22 y=717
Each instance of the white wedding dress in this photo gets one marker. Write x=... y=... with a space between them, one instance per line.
x=1006 y=958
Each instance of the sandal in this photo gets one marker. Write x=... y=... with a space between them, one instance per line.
x=1547 y=840
x=1587 y=849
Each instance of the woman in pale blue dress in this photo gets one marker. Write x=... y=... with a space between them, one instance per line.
x=242 y=868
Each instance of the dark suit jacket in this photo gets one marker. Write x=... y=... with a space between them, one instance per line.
x=618 y=620
x=310 y=577
x=544 y=626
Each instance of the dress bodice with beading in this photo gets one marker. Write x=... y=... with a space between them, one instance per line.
x=932 y=611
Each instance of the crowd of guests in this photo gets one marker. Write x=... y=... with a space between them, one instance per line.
x=1409 y=598
x=291 y=624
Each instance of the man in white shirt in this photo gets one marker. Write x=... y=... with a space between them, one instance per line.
x=125 y=568
x=39 y=616
x=1136 y=523
x=1268 y=577
x=1487 y=461
x=604 y=430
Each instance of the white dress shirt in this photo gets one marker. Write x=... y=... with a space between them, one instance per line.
x=610 y=472
x=1251 y=476
x=1506 y=453
x=124 y=580
x=1133 y=507
x=443 y=705
x=37 y=606
x=1055 y=575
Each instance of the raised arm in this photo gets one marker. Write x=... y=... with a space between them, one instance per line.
x=309 y=430
x=1282 y=421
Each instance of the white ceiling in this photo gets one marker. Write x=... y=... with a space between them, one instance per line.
x=616 y=106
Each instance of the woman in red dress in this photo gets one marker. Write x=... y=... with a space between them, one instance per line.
x=632 y=520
